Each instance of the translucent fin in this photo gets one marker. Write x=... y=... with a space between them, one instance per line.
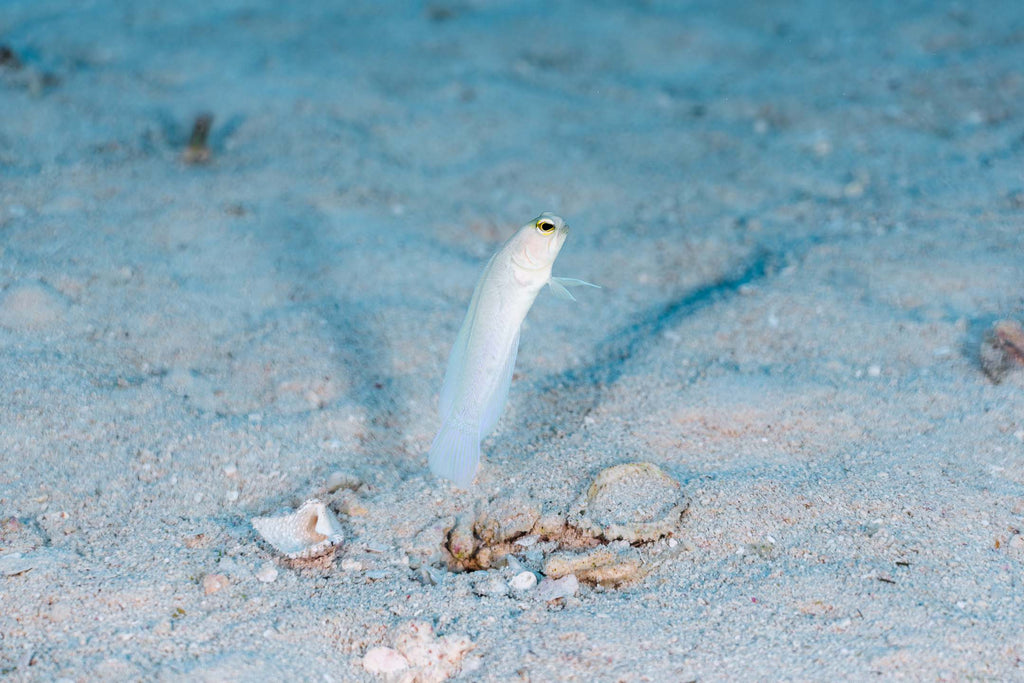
x=559 y=290
x=495 y=403
x=574 y=282
x=455 y=453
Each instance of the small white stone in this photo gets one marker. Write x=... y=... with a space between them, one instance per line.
x=232 y=496
x=874 y=371
x=672 y=543
x=267 y=574
x=523 y=581
x=384 y=661
x=350 y=565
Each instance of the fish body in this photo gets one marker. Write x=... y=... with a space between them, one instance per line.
x=481 y=362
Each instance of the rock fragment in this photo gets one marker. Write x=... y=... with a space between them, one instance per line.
x=607 y=565
x=1002 y=350
x=506 y=521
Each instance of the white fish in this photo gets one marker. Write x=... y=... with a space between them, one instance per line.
x=481 y=362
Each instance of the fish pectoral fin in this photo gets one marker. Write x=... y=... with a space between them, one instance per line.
x=574 y=282
x=455 y=453
x=559 y=290
x=560 y=286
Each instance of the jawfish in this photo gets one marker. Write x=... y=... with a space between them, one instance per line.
x=480 y=365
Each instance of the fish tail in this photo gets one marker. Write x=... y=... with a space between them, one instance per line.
x=455 y=453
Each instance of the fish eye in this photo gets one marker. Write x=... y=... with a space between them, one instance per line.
x=545 y=226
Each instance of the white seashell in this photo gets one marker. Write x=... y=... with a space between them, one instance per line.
x=308 y=532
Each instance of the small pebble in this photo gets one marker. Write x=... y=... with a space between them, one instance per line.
x=384 y=661
x=267 y=573
x=342 y=480
x=214 y=582
x=491 y=587
x=523 y=581
x=553 y=589
x=350 y=565
x=232 y=496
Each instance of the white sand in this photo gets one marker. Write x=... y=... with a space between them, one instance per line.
x=804 y=217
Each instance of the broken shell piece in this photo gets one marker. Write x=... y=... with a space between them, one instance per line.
x=634 y=502
x=309 y=532
x=608 y=566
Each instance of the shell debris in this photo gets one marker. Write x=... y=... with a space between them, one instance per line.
x=418 y=655
x=309 y=532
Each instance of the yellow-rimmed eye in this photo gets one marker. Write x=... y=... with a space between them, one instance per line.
x=545 y=226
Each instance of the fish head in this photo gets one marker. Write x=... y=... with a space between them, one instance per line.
x=539 y=242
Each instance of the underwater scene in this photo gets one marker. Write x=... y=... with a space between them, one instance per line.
x=489 y=340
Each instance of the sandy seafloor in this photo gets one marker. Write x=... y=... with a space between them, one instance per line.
x=803 y=215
